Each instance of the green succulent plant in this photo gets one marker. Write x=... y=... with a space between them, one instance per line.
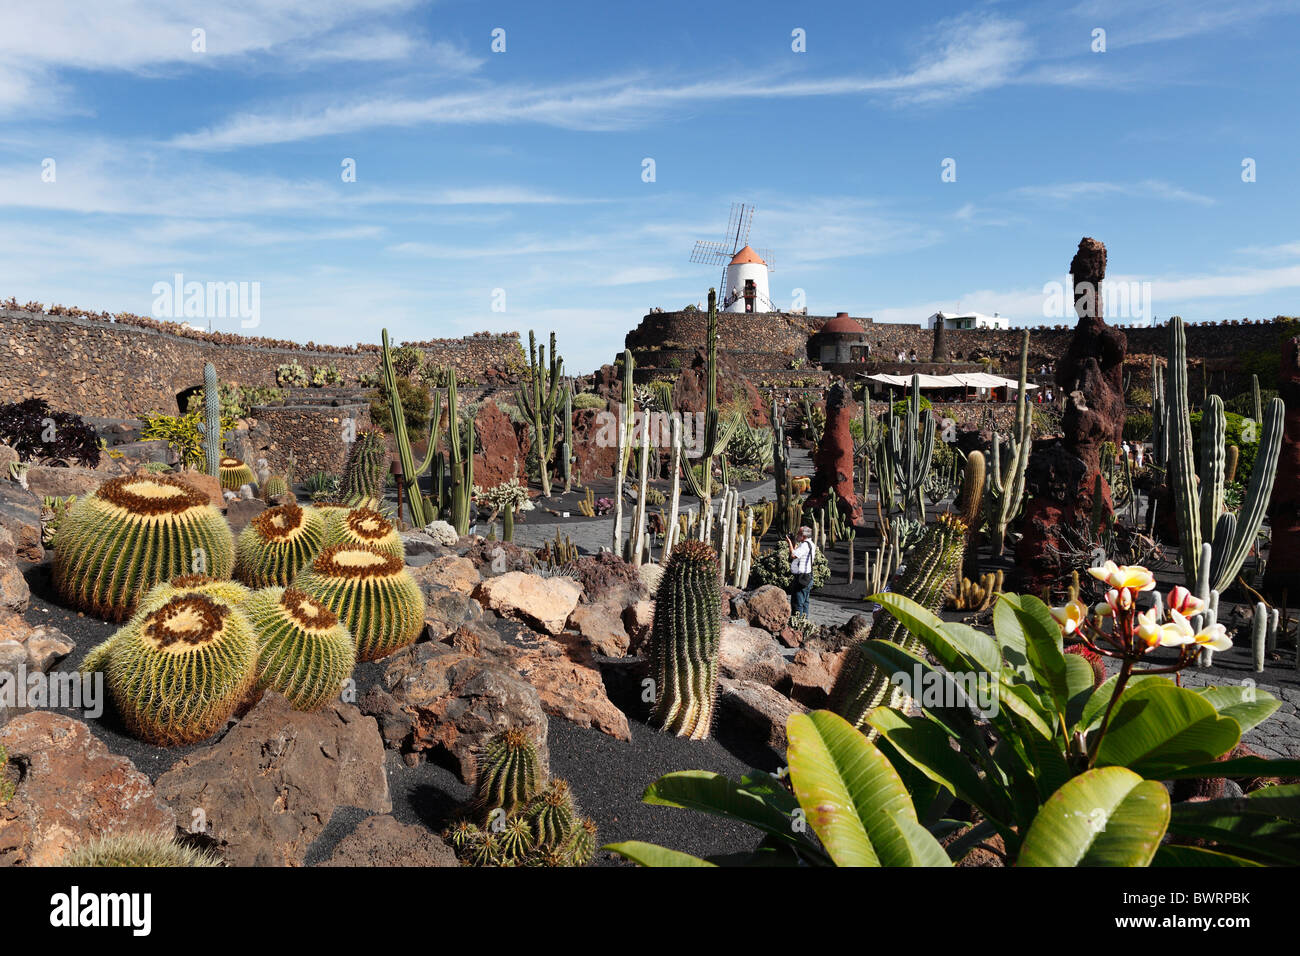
x=364 y=527
x=685 y=641
x=508 y=774
x=277 y=544
x=177 y=673
x=132 y=533
x=373 y=595
x=137 y=850
x=234 y=474
x=304 y=652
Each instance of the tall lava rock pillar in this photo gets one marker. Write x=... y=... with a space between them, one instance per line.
x=1282 y=574
x=1064 y=473
x=833 y=463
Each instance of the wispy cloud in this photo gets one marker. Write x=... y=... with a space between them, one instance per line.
x=1146 y=189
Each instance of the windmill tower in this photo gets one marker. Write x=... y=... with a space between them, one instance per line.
x=744 y=285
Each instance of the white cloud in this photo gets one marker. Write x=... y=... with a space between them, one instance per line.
x=1146 y=189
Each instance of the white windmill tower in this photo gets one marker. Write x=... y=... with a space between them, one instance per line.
x=744 y=278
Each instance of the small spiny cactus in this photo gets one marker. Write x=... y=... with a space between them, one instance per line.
x=234 y=474
x=508 y=772
x=366 y=469
x=137 y=849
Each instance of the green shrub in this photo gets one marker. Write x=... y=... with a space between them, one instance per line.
x=416 y=405
x=1139 y=396
x=1137 y=426
x=772 y=566
x=182 y=433
x=585 y=400
x=1234 y=426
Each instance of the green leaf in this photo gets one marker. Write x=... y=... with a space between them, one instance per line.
x=720 y=796
x=1170 y=854
x=1023 y=701
x=1043 y=645
x=1158 y=727
x=1095 y=708
x=1247 y=705
x=650 y=854
x=927 y=748
x=854 y=799
x=932 y=632
x=1105 y=817
x=1262 y=826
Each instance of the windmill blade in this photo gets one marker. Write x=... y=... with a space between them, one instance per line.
x=766 y=255
x=709 y=252
x=733 y=226
x=747 y=220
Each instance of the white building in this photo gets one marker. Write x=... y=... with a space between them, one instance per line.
x=967 y=320
x=746 y=289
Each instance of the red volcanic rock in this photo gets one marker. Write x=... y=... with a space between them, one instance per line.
x=594 y=455
x=502 y=458
x=833 y=474
x=689 y=391
x=1283 y=571
x=1064 y=474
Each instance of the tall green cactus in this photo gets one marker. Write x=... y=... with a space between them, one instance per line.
x=539 y=399
x=460 y=486
x=1159 y=417
x=1006 y=487
x=909 y=449
x=862 y=685
x=685 y=641
x=566 y=445
x=366 y=469
x=410 y=472
x=1198 y=502
x=717 y=433
x=211 y=419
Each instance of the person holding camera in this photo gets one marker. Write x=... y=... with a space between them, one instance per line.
x=802 y=552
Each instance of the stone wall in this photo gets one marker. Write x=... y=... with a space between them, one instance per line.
x=312 y=433
x=95 y=366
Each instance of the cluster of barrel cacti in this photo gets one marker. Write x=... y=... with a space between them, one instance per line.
x=685 y=642
x=862 y=684
x=521 y=819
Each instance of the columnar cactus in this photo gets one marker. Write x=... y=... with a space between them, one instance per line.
x=460 y=488
x=1006 y=487
x=211 y=418
x=411 y=470
x=371 y=592
x=971 y=498
x=364 y=527
x=132 y=533
x=717 y=432
x=1198 y=502
x=684 y=642
x=508 y=772
x=539 y=401
x=566 y=445
x=909 y=449
x=861 y=685
x=366 y=469
x=277 y=544
x=177 y=673
x=304 y=652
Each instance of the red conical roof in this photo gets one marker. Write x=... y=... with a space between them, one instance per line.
x=746 y=255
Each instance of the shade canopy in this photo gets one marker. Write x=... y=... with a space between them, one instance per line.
x=958 y=380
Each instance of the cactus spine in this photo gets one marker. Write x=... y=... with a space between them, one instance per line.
x=211 y=419
x=539 y=399
x=373 y=595
x=508 y=774
x=684 y=642
x=277 y=544
x=1006 y=488
x=136 y=850
x=366 y=470
x=862 y=686
x=304 y=652
x=177 y=673
x=909 y=449
x=132 y=533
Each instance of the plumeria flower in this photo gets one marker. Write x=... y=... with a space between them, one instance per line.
x=1147 y=627
x=1121 y=576
x=1175 y=633
x=1071 y=616
x=1215 y=637
x=1119 y=599
x=1103 y=609
x=1184 y=601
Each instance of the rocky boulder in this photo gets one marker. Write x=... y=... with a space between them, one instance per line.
x=567 y=680
x=601 y=627
x=756 y=710
x=14 y=593
x=71 y=790
x=749 y=653
x=20 y=515
x=638 y=621
x=449 y=571
x=768 y=607
x=382 y=841
x=62 y=482
x=266 y=790
x=545 y=603
x=441 y=698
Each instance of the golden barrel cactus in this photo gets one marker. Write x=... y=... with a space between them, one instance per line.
x=304 y=652
x=372 y=593
x=364 y=527
x=277 y=544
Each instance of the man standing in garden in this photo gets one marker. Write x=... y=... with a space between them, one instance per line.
x=802 y=551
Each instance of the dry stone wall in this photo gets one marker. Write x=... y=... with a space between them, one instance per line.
x=118 y=369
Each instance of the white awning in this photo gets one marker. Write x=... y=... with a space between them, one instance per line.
x=959 y=380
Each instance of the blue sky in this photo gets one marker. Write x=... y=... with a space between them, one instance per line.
x=522 y=171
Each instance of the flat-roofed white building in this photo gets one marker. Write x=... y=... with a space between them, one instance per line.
x=967 y=320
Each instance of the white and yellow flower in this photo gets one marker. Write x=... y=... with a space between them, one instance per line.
x=1070 y=616
x=1184 y=602
x=1121 y=576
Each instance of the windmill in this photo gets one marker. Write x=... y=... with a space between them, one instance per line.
x=735 y=240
